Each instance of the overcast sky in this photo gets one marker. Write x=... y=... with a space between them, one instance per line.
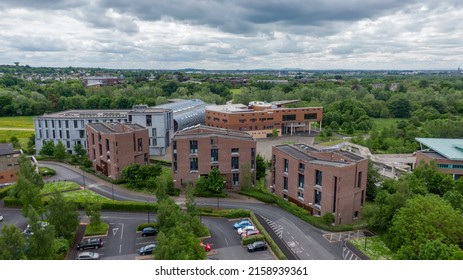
x=233 y=34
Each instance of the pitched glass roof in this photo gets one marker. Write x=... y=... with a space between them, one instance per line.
x=449 y=148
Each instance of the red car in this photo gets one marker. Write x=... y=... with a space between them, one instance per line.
x=206 y=246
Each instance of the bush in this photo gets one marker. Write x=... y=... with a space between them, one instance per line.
x=61 y=247
x=227 y=213
x=11 y=201
x=45 y=171
x=210 y=194
x=328 y=218
x=142 y=226
x=251 y=239
x=264 y=197
x=6 y=191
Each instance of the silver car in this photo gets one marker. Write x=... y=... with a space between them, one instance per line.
x=88 y=256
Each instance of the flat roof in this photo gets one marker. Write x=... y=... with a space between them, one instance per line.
x=115 y=127
x=207 y=131
x=309 y=154
x=82 y=114
x=449 y=148
x=229 y=108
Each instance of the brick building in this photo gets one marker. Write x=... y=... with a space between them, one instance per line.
x=113 y=146
x=446 y=153
x=320 y=181
x=196 y=150
x=9 y=163
x=260 y=118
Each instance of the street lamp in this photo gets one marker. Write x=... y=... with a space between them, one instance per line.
x=83 y=176
x=112 y=186
x=147 y=202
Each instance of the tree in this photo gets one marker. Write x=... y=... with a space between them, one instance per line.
x=179 y=244
x=424 y=218
x=214 y=183
x=93 y=211
x=246 y=175
x=48 y=148
x=138 y=175
x=274 y=132
x=60 y=151
x=400 y=107
x=261 y=167
x=12 y=243
x=80 y=151
x=29 y=195
x=373 y=178
x=63 y=215
x=40 y=245
x=14 y=140
x=190 y=203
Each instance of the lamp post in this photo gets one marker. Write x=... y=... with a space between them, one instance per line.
x=112 y=186
x=148 y=208
x=83 y=177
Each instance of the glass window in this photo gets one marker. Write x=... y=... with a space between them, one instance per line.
x=193 y=147
x=214 y=154
x=318 y=197
x=286 y=165
x=193 y=164
x=318 y=177
x=235 y=163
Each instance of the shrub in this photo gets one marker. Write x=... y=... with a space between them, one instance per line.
x=328 y=218
x=6 y=191
x=264 y=197
x=61 y=247
x=142 y=226
x=251 y=239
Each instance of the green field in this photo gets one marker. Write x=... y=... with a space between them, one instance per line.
x=376 y=249
x=235 y=90
x=380 y=124
x=17 y=122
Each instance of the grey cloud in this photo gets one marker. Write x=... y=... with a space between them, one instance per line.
x=43 y=4
x=36 y=44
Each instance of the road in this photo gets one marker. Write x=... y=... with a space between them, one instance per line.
x=303 y=240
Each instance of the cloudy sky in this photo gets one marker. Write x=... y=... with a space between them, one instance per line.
x=233 y=34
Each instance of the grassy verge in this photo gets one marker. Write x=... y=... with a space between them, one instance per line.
x=98 y=229
x=375 y=248
x=46 y=171
x=50 y=188
x=380 y=124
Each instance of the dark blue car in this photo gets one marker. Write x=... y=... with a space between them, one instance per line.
x=149 y=231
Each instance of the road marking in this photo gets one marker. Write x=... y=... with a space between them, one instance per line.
x=227 y=242
x=278 y=229
x=122 y=231
x=115 y=231
x=120 y=249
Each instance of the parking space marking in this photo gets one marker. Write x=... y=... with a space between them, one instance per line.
x=346 y=235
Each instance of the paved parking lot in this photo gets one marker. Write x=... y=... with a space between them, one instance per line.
x=226 y=243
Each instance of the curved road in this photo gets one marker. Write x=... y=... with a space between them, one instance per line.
x=304 y=241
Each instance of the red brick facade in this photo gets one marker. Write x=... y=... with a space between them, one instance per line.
x=196 y=150
x=259 y=120
x=443 y=164
x=9 y=163
x=320 y=182
x=113 y=146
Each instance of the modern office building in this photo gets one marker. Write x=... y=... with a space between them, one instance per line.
x=160 y=125
x=197 y=150
x=320 y=181
x=9 y=163
x=447 y=154
x=161 y=121
x=186 y=112
x=259 y=119
x=113 y=146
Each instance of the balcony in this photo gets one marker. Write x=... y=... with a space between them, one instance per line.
x=318 y=187
x=301 y=170
x=285 y=190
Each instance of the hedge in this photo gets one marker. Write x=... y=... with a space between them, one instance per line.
x=4 y=191
x=210 y=194
x=264 y=197
x=252 y=239
x=107 y=205
x=161 y=162
x=227 y=213
x=142 y=226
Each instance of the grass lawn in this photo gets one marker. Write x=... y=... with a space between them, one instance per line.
x=235 y=90
x=376 y=249
x=380 y=124
x=98 y=229
x=85 y=196
x=59 y=186
x=18 y=122
x=22 y=135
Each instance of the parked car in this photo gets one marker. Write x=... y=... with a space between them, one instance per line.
x=93 y=243
x=149 y=231
x=88 y=256
x=1 y=218
x=206 y=246
x=148 y=249
x=257 y=246
x=28 y=231
x=242 y=223
x=246 y=228
x=249 y=233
